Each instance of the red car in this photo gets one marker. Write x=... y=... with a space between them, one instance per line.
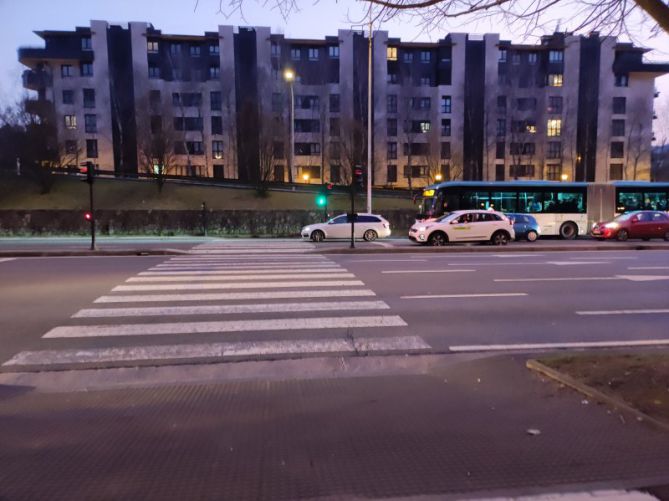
x=643 y=224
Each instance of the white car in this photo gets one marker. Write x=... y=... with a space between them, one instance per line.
x=465 y=226
x=367 y=226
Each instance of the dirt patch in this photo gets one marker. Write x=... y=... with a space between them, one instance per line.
x=641 y=380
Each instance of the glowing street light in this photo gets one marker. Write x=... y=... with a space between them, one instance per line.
x=564 y=177
x=289 y=77
x=438 y=177
x=305 y=176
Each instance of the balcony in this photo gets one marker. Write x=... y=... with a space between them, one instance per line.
x=33 y=55
x=36 y=79
x=40 y=107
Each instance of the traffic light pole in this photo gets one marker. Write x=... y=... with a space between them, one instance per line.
x=92 y=209
x=352 y=215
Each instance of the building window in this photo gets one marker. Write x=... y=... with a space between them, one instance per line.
x=86 y=43
x=521 y=148
x=407 y=58
x=68 y=97
x=445 y=104
x=215 y=100
x=216 y=125
x=335 y=173
x=154 y=71
x=89 y=98
x=278 y=150
x=526 y=104
x=391 y=53
x=424 y=81
x=500 y=150
x=195 y=51
x=214 y=72
x=295 y=54
x=415 y=171
x=217 y=149
x=65 y=70
x=277 y=102
x=175 y=49
x=156 y=124
x=335 y=151
x=554 y=150
x=532 y=58
x=501 y=104
x=499 y=172
x=334 y=103
x=70 y=147
x=555 y=56
x=525 y=170
x=392 y=151
x=555 y=80
x=619 y=105
x=445 y=171
x=219 y=171
x=622 y=80
x=501 y=127
x=70 y=121
x=392 y=78
x=445 y=126
x=392 y=127
x=502 y=55
x=313 y=54
x=333 y=51
x=425 y=56
x=445 y=151
x=617 y=149
x=86 y=69
x=154 y=98
x=194 y=147
x=425 y=126
x=307 y=125
x=618 y=127
x=306 y=102
x=553 y=172
x=275 y=50
x=616 y=172
x=554 y=127
x=90 y=124
x=515 y=58
x=554 y=104
x=391 y=176
x=92 y=148
x=334 y=127
x=306 y=149
x=152 y=46
x=391 y=103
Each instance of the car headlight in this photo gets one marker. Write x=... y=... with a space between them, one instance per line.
x=306 y=229
x=423 y=228
x=612 y=226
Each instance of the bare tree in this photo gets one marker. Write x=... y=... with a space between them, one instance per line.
x=636 y=131
x=353 y=147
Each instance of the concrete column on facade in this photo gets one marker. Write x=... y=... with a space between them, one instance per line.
x=228 y=100
x=491 y=90
x=639 y=124
x=346 y=87
x=99 y=82
x=380 y=93
x=457 y=93
x=141 y=87
x=570 y=95
x=605 y=108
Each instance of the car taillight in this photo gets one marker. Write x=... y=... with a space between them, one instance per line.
x=385 y=225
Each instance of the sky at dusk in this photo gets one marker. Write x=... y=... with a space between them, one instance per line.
x=314 y=20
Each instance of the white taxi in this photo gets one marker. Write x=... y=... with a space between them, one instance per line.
x=367 y=226
x=465 y=226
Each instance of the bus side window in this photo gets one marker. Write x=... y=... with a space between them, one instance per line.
x=530 y=201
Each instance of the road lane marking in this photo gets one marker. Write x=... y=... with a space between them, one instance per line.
x=218 y=350
x=237 y=271
x=622 y=312
x=246 y=251
x=220 y=278
x=230 y=309
x=648 y=267
x=244 y=266
x=572 y=263
x=234 y=296
x=551 y=346
x=643 y=278
x=271 y=285
x=585 y=258
x=423 y=271
x=274 y=324
x=5 y=259
x=455 y=296
x=387 y=260
x=632 y=278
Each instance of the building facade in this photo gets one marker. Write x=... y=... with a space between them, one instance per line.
x=135 y=101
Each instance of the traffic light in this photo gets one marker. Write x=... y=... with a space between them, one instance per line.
x=358 y=177
x=89 y=169
x=321 y=200
x=88 y=216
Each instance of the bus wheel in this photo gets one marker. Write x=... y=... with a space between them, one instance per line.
x=438 y=239
x=568 y=231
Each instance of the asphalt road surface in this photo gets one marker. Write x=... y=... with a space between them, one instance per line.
x=272 y=299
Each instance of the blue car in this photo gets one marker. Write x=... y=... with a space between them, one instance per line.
x=525 y=226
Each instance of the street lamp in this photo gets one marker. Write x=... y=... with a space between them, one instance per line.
x=438 y=177
x=564 y=177
x=289 y=76
x=305 y=177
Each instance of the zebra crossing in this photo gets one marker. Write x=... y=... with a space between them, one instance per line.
x=221 y=289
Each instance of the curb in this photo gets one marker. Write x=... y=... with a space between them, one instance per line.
x=597 y=395
x=136 y=252
x=484 y=248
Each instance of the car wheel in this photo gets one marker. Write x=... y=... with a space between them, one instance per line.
x=500 y=238
x=622 y=235
x=438 y=239
x=532 y=236
x=318 y=236
x=568 y=231
x=666 y=236
x=370 y=235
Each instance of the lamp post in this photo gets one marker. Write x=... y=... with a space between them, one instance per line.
x=305 y=177
x=438 y=178
x=289 y=76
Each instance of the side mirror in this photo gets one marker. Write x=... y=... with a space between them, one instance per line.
x=455 y=221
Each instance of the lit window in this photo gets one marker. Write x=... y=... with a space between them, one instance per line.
x=391 y=53
x=152 y=46
x=555 y=79
x=425 y=127
x=554 y=127
x=70 y=121
x=217 y=149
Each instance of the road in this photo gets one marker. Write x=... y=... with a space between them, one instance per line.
x=259 y=299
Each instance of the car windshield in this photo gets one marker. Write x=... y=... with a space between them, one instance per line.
x=625 y=217
x=444 y=217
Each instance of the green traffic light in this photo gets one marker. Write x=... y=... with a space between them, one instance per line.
x=321 y=200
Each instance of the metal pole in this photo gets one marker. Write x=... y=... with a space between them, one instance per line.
x=352 y=215
x=292 y=132
x=369 y=115
x=92 y=206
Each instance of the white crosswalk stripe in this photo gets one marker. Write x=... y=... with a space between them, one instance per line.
x=203 y=293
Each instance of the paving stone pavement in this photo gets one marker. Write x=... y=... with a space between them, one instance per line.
x=458 y=429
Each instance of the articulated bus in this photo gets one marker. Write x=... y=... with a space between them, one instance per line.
x=561 y=209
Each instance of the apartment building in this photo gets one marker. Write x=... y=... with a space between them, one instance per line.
x=135 y=100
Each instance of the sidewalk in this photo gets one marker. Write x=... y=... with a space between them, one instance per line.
x=335 y=428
